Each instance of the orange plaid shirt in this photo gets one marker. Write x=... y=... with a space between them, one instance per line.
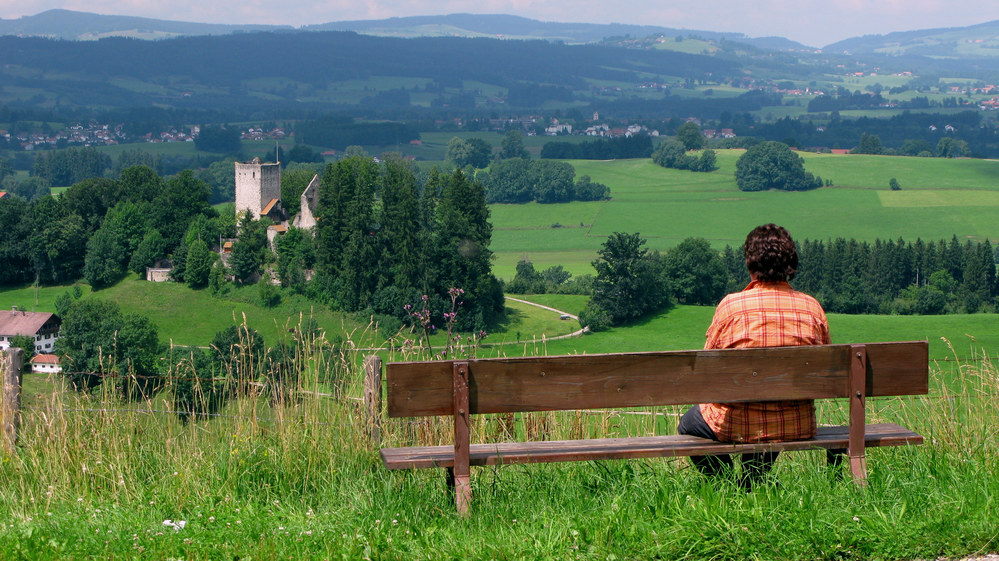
x=765 y=315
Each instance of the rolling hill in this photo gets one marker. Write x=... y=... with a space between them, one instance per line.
x=976 y=41
x=82 y=26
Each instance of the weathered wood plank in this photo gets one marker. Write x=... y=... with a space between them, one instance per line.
x=11 y=363
x=654 y=379
x=373 y=397
x=898 y=368
x=881 y=434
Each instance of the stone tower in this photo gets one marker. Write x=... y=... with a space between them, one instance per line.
x=258 y=188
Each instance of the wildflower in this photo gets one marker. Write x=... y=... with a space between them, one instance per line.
x=177 y=526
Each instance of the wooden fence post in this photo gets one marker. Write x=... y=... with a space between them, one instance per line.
x=10 y=367
x=373 y=397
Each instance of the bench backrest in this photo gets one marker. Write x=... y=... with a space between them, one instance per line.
x=554 y=383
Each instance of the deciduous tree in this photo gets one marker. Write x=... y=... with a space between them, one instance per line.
x=772 y=165
x=689 y=134
x=629 y=283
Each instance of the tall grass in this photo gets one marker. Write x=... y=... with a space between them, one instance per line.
x=296 y=477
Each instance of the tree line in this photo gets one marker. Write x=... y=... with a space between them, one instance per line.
x=908 y=134
x=95 y=227
x=845 y=276
x=517 y=180
x=635 y=146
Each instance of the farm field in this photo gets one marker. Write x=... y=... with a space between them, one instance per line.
x=939 y=198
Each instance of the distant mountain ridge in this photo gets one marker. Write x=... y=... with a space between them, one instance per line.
x=82 y=26
x=517 y=27
x=72 y=25
x=975 y=41
x=980 y=40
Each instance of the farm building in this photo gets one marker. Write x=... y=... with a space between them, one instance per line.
x=45 y=364
x=42 y=326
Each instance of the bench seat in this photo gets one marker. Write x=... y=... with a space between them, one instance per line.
x=461 y=389
x=416 y=457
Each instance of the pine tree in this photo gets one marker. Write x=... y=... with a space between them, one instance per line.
x=628 y=284
x=346 y=251
x=199 y=264
x=462 y=237
x=399 y=236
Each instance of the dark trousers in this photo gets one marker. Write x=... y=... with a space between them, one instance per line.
x=754 y=465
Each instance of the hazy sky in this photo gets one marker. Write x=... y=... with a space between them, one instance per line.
x=812 y=22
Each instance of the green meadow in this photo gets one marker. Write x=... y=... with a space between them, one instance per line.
x=951 y=337
x=94 y=476
x=192 y=317
x=940 y=198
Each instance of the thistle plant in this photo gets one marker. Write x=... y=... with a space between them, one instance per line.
x=455 y=344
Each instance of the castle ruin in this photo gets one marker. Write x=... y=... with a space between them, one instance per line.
x=258 y=190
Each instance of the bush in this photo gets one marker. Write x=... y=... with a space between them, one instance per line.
x=594 y=317
x=772 y=165
x=673 y=154
x=269 y=294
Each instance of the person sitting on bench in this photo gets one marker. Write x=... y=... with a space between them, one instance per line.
x=767 y=313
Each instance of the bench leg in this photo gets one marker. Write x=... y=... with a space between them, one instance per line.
x=855 y=449
x=462 y=488
x=460 y=472
x=858 y=467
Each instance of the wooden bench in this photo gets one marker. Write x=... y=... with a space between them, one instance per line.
x=461 y=388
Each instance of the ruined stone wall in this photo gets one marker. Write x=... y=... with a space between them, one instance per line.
x=310 y=198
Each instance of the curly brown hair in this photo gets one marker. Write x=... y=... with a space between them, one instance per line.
x=770 y=254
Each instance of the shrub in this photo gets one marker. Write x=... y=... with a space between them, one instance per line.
x=772 y=165
x=594 y=317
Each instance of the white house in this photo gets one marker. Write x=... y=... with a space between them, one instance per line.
x=45 y=364
x=42 y=326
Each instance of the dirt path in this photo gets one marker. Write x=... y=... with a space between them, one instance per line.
x=560 y=313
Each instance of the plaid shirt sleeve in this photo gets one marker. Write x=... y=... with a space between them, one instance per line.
x=765 y=315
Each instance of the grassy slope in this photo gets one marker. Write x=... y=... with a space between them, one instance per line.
x=683 y=327
x=189 y=317
x=939 y=198
x=192 y=317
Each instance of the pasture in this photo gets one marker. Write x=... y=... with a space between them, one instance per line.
x=939 y=198
x=98 y=477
